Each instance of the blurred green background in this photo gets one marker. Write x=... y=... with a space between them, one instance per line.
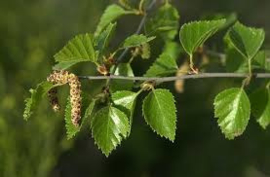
x=32 y=31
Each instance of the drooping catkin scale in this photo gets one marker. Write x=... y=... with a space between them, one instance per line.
x=62 y=78
x=52 y=95
x=75 y=98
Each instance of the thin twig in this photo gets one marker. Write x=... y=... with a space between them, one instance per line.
x=138 y=31
x=170 y=79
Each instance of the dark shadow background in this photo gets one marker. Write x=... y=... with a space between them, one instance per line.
x=32 y=31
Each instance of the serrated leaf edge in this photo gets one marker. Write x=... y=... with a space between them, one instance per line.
x=162 y=136
x=117 y=145
x=207 y=33
x=223 y=132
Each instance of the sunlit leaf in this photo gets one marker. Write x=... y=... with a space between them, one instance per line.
x=125 y=101
x=232 y=108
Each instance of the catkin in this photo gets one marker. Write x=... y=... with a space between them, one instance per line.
x=75 y=98
x=59 y=77
x=52 y=95
x=62 y=78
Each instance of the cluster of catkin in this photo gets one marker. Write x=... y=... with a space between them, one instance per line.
x=62 y=78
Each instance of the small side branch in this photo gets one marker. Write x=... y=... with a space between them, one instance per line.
x=138 y=31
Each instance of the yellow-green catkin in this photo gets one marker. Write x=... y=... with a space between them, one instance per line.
x=63 y=77
x=59 y=77
x=75 y=98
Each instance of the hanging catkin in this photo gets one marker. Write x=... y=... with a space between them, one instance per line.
x=62 y=78
x=75 y=98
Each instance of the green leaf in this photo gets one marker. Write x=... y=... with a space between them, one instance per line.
x=124 y=98
x=160 y=112
x=123 y=69
x=165 y=22
x=246 y=40
x=166 y=63
x=102 y=41
x=79 y=49
x=36 y=96
x=260 y=62
x=231 y=19
x=111 y=14
x=137 y=40
x=232 y=108
x=109 y=127
x=194 y=34
x=235 y=62
x=260 y=104
x=126 y=102
x=163 y=66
